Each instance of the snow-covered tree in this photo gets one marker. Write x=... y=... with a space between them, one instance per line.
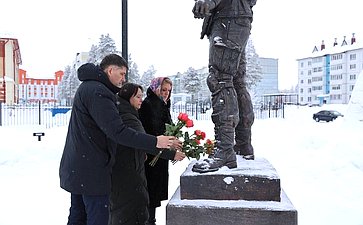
x=254 y=69
x=62 y=87
x=253 y=73
x=147 y=76
x=192 y=82
x=133 y=73
x=106 y=45
x=74 y=83
x=68 y=86
x=92 y=55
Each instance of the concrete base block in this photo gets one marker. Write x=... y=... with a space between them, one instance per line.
x=230 y=212
x=247 y=195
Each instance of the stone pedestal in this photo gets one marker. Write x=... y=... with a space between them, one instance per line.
x=248 y=195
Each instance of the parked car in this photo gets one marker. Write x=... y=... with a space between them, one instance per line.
x=326 y=115
x=314 y=104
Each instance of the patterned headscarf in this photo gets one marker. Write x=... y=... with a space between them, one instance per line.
x=156 y=83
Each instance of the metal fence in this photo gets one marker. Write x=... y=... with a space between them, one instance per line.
x=201 y=113
x=53 y=116
x=38 y=114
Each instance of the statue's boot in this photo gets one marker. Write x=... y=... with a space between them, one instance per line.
x=243 y=144
x=224 y=154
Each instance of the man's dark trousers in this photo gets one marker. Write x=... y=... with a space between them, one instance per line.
x=89 y=210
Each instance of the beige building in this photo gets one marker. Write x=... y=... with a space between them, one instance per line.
x=10 y=59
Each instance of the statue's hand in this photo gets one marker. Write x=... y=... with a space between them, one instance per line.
x=203 y=8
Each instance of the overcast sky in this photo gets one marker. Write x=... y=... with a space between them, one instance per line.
x=164 y=33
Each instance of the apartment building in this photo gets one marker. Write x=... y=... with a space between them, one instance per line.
x=329 y=73
x=10 y=59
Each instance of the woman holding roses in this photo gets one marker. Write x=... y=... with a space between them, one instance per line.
x=129 y=197
x=154 y=114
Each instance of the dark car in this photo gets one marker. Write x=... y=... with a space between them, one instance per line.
x=326 y=115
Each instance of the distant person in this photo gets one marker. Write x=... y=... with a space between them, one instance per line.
x=129 y=196
x=94 y=130
x=227 y=24
x=154 y=114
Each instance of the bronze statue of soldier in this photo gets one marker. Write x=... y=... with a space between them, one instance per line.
x=227 y=24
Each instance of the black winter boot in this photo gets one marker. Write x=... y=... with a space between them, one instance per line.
x=151 y=220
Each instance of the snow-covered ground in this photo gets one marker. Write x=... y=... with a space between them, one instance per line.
x=320 y=166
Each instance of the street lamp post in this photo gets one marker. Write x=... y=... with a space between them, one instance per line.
x=124 y=33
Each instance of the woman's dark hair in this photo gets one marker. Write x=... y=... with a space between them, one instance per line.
x=129 y=90
x=113 y=60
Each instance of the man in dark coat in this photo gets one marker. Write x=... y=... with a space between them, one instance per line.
x=154 y=114
x=94 y=131
x=129 y=196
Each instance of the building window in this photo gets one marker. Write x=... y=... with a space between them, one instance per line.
x=337 y=57
x=309 y=81
x=351 y=87
x=317 y=88
x=352 y=66
x=317 y=60
x=316 y=79
x=352 y=77
x=335 y=87
x=337 y=67
x=301 y=81
x=302 y=64
x=353 y=57
x=336 y=77
x=301 y=90
x=335 y=97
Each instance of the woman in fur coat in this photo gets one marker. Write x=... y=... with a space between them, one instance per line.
x=154 y=113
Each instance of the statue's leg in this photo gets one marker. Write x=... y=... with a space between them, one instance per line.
x=243 y=144
x=223 y=63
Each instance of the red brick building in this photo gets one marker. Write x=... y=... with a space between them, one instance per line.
x=35 y=90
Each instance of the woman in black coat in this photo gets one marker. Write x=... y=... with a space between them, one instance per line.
x=129 y=197
x=154 y=113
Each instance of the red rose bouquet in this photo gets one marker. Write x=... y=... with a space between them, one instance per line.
x=192 y=144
